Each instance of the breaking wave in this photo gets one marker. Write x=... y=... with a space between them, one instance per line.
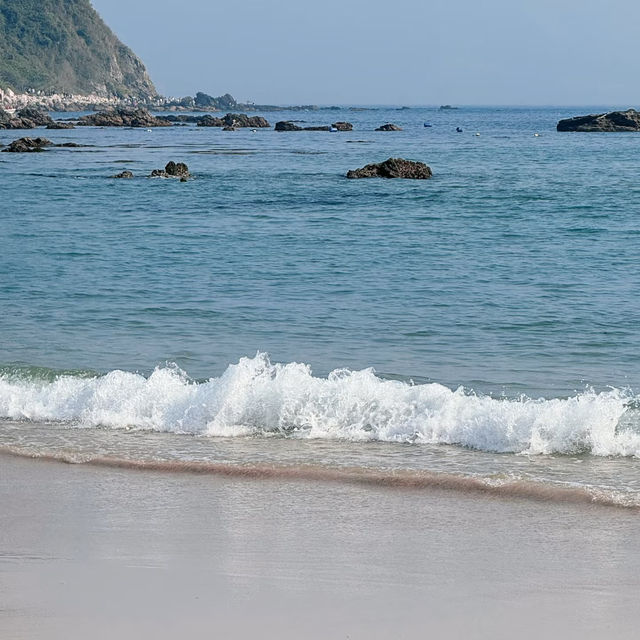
x=256 y=397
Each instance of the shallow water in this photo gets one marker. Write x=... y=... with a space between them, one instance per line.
x=512 y=273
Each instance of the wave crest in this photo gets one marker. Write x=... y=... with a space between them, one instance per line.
x=256 y=397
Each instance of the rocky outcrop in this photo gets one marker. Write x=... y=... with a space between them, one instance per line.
x=208 y=121
x=183 y=119
x=235 y=120
x=123 y=118
x=28 y=145
x=614 y=121
x=27 y=118
x=39 y=118
x=124 y=175
x=172 y=170
x=286 y=125
x=389 y=127
x=57 y=124
x=205 y=101
x=25 y=145
x=393 y=168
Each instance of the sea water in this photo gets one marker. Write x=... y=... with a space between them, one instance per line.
x=479 y=325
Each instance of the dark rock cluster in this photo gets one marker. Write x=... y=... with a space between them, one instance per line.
x=172 y=170
x=58 y=124
x=27 y=118
x=389 y=127
x=231 y=120
x=287 y=125
x=123 y=118
x=614 y=121
x=28 y=145
x=234 y=121
x=393 y=168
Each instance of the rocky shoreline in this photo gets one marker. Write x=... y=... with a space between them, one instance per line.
x=65 y=102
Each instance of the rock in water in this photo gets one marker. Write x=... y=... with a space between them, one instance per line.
x=124 y=174
x=27 y=118
x=177 y=169
x=394 y=168
x=123 y=118
x=614 y=121
x=389 y=127
x=234 y=120
x=285 y=125
x=172 y=170
x=60 y=125
x=242 y=120
x=39 y=118
x=209 y=121
x=28 y=145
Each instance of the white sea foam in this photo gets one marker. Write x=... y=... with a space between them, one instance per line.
x=261 y=398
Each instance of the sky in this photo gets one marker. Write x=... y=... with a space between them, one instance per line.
x=406 y=52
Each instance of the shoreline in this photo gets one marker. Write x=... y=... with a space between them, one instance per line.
x=409 y=480
x=110 y=552
x=65 y=102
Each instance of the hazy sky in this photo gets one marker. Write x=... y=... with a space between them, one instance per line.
x=577 y=52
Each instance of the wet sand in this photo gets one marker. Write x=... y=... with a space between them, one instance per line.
x=116 y=553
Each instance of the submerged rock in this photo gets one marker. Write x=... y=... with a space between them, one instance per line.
x=389 y=127
x=124 y=174
x=614 y=121
x=393 y=168
x=123 y=118
x=172 y=170
x=28 y=145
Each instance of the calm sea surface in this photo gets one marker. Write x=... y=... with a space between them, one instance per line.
x=513 y=274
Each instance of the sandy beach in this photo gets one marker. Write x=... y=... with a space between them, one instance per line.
x=104 y=553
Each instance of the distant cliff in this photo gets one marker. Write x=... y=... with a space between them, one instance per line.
x=64 y=46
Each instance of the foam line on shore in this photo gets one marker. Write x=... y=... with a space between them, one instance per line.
x=395 y=479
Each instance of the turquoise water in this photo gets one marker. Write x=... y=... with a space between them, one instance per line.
x=512 y=273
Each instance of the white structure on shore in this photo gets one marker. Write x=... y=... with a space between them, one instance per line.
x=10 y=101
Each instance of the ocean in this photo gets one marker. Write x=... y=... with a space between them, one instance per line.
x=478 y=331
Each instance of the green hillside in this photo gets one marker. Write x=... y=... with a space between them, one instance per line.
x=64 y=46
